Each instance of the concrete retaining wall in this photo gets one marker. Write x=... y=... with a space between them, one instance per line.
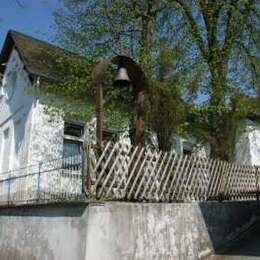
x=119 y=231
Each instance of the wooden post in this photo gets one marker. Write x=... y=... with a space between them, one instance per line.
x=138 y=120
x=86 y=172
x=100 y=115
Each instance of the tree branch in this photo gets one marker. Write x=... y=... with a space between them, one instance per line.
x=210 y=12
x=230 y=30
x=136 y=9
x=194 y=28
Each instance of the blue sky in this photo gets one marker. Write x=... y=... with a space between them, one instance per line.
x=33 y=18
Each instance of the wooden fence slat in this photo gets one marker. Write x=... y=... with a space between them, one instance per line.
x=133 y=170
x=229 y=179
x=117 y=174
x=189 y=177
x=221 y=179
x=200 y=179
x=236 y=176
x=193 y=177
x=182 y=180
x=175 y=175
x=179 y=177
x=145 y=173
x=153 y=177
x=256 y=182
x=214 y=178
x=198 y=187
x=105 y=165
x=206 y=169
x=163 y=174
x=151 y=174
x=110 y=172
x=156 y=174
x=137 y=176
x=101 y=157
x=211 y=176
x=168 y=175
x=129 y=164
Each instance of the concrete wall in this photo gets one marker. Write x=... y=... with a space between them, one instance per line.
x=119 y=231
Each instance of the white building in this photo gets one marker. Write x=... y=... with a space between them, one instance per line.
x=26 y=135
x=248 y=142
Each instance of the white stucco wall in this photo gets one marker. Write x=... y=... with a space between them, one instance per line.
x=35 y=137
x=247 y=150
x=46 y=136
x=16 y=115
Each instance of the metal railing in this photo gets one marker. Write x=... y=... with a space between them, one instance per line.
x=56 y=180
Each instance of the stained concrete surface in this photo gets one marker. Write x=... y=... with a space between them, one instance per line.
x=122 y=231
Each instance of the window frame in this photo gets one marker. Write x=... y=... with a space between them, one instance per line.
x=74 y=139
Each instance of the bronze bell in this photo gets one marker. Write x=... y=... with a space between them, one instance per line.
x=122 y=77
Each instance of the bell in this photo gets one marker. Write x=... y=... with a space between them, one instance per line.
x=122 y=78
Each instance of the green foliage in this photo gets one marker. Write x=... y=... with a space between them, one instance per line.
x=72 y=90
x=223 y=135
x=226 y=38
x=97 y=29
x=169 y=97
x=166 y=113
x=185 y=47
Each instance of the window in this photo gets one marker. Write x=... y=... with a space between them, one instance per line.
x=71 y=148
x=11 y=85
x=74 y=130
x=18 y=135
x=1 y=78
x=73 y=139
x=1 y=85
x=187 y=152
x=6 y=151
x=187 y=148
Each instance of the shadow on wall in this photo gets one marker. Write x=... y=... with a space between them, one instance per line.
x=233 y=227
x=55 y=210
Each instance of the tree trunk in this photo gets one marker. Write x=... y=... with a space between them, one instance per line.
x=218 y=120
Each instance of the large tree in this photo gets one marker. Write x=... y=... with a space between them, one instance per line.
x=225 y=36
x=139 y=29
x=218 y=40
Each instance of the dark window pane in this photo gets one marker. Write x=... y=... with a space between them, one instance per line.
x=187 y=152
x=71 y=148
x=73 y=130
